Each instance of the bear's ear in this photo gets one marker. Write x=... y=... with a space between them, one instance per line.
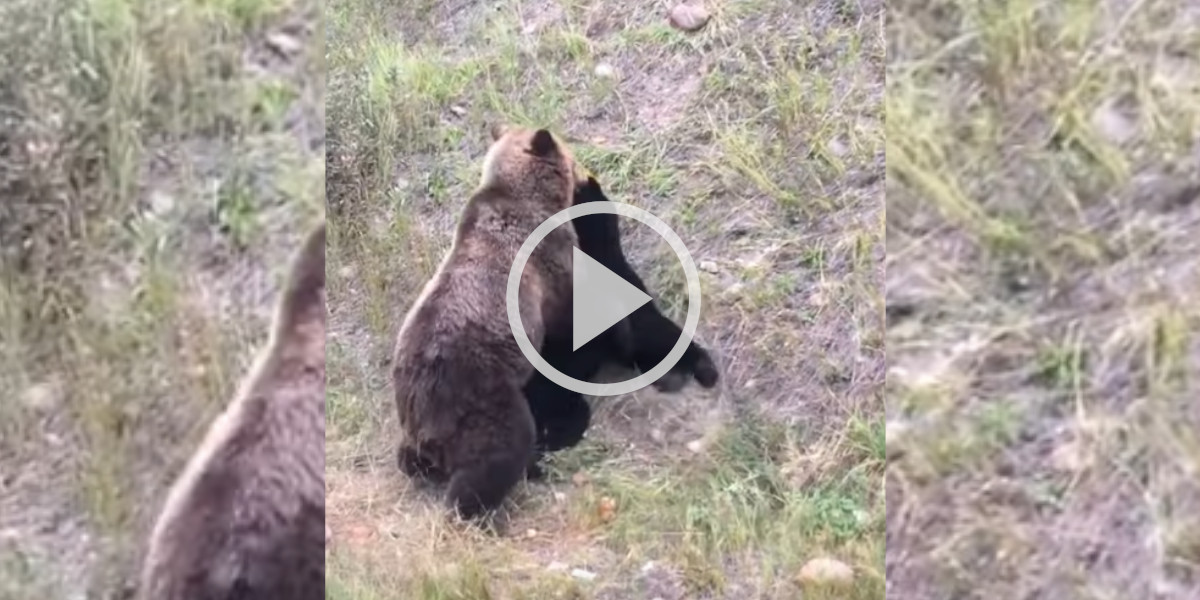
x=497 y=131
x=589 y=191
x=591 y=184
x=543 y=143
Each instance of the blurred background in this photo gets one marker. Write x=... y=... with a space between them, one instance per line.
x=1043 y=290
x=159 y=162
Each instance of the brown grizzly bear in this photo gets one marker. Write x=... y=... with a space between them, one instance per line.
x=246 y=518
x=457 y=370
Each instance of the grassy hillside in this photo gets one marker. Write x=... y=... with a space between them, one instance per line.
x=1044 y=361
x=760 y=140
x=159 y=160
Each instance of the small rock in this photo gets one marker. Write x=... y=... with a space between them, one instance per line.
x=894 y=433
x=284 y=44
x=709 y=266
x=607 y=509
x=583 y=574
x=817 y=299
x=838 y=148
x=531 y=533
x=560 y=497
x=161 y=203
x=44 y=397
x=688 y=17
x=605 y=71
x=1113 y=124
x=825 y=572
x=1070 y=457
x=459 y=111
x=751 y=264
x=696 y=446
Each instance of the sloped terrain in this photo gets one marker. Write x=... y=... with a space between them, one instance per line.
x=1044 y=290
x=759 y=140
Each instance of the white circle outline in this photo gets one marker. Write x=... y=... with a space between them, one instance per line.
x=691 y=322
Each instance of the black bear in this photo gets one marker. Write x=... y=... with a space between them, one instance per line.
x=561 y=416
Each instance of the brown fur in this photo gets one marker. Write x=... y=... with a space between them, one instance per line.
x=246 y=518
x=458 y=373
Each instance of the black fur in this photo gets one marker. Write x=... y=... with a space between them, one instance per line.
x=561 y=416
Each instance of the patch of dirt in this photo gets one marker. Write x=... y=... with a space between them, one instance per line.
x=536 y=17
x=668 y=90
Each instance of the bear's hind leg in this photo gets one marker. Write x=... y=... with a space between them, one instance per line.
x=565 y=424
x=560 y=416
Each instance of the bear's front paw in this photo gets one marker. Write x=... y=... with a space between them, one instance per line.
x=703 y=368
x=695 y=363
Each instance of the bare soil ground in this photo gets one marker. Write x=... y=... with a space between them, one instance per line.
x=760 y=140
x=159 y=161
x=1043 y=290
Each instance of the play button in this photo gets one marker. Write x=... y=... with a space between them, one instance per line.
x=600 y=299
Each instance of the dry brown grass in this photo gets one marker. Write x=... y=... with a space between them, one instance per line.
x=1044 y=361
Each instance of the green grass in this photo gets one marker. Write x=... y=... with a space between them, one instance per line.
x=760 y=141
x=1041 y=199
x=148 y=180
x=751 y=510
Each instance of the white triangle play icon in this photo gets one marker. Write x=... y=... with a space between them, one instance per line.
x=601 y=299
